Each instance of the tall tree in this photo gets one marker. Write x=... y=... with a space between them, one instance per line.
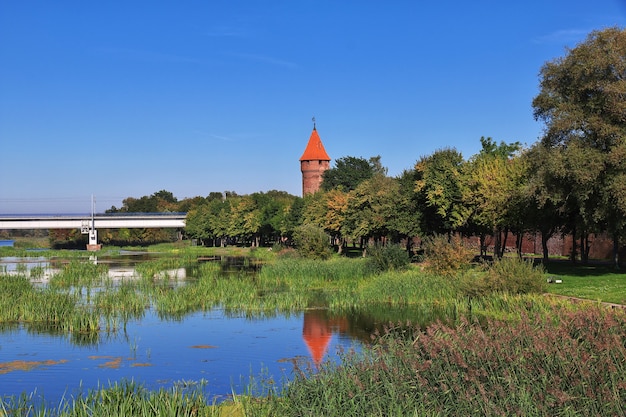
x=370 y=208
x=582 y=101
x=546 y=208
x=493 y=179
x=440 y=187
x=407 y=216
x=350 y=171
x=336 y=206
x=245 y=219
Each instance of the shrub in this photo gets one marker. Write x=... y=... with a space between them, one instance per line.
x=446 y=256
x=388 y=257
x=312 y=242
x=507 y=275
x=515 y=276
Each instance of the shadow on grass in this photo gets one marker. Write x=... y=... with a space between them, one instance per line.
x=592 y=269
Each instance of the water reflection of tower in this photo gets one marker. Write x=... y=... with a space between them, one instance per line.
x=317 y=332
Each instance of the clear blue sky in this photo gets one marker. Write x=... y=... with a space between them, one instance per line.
x=126 y=98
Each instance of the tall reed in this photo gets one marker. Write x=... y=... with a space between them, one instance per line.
x=564 y=363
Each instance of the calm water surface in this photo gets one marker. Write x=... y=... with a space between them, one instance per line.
x=223 y=349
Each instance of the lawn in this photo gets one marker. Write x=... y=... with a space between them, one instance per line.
x=598 y=282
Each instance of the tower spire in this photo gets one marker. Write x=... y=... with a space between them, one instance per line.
x=314 y=123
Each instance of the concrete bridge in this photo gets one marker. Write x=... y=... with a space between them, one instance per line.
x=88 y=224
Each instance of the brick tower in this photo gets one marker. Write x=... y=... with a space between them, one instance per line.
x=313 y=162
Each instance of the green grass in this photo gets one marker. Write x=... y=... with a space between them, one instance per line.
x=597 y=282
x=124 y=399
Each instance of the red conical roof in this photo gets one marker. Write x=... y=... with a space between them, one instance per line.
x=314 y=149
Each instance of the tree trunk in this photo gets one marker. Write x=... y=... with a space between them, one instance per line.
x=483 y=248
x=544 y=246
x=584 y=247
x=518 y=242
x=503 y=244
x=573 y=254
x=616 y=250
x=497 y=243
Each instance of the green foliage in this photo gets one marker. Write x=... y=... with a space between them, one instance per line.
x=388 y=257
x=446 y=256
x=582 y=101
x=441 y=187
x=369 y=208
x=515 y=276
x=259 y=218
x=312 y=242
x=349 y=172
x=508 y=275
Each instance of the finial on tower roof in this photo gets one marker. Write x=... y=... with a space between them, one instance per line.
x=314 y=123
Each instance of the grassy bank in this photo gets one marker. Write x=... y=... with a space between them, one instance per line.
x=598 y=282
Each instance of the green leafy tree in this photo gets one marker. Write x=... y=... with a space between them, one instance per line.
x=293 y=218
x=350 y=171
x=336 y=206
x=245 y=220
x=370 y=208
x=406 y=218
x=582 y=101
x=492 y=191
x=273 y=206
x=440 y=187
x=544 y=202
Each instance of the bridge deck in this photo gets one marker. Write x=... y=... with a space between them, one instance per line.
x=108 y=221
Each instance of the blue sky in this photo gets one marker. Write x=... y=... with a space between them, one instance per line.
x=126 y=98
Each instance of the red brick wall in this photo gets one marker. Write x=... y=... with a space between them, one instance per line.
x=312 y=175
x=600 y=246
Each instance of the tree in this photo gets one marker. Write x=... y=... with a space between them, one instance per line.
x=370 y=208
x=582 y=101
x=407 y=216
x=245 y=220
x=545 y=206
x=161 y=201
x=440 y=187
x=336 y=206
x=349 y=172
x=273 y=206
x=293 y=217
x=493 y=181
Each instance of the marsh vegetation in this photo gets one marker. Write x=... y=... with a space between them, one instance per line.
x=482 y=339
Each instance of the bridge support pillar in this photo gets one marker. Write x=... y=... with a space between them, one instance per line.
x=93 y=241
